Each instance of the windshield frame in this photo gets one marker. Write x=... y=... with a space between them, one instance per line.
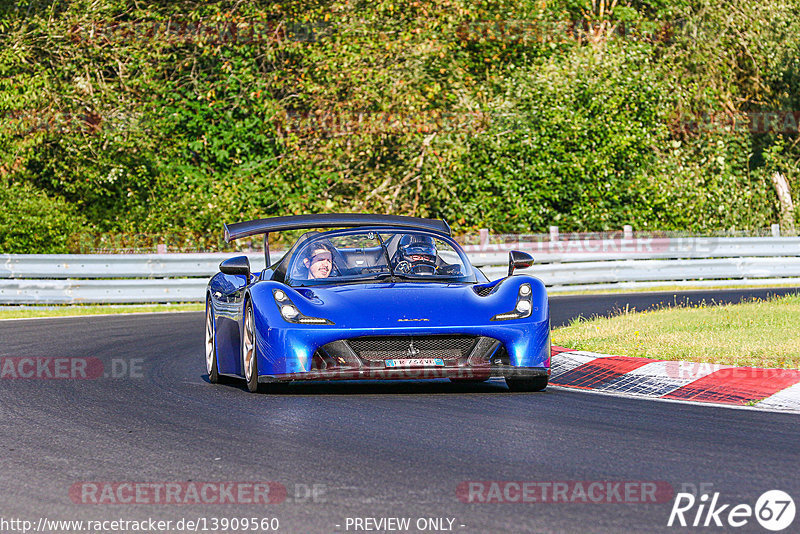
x=390 y=276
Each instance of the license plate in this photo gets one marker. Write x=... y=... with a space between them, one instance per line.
x=416 y=362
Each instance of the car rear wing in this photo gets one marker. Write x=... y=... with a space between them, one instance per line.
x=328 y=220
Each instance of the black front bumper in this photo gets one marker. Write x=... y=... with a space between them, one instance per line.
x=412 y=373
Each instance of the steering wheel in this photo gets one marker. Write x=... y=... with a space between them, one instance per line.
x=403 y=267
x=406 y=267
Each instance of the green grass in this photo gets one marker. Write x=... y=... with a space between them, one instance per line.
x=28 y=312
x=760 y=333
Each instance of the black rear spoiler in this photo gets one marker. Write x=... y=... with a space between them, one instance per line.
x=330 y=220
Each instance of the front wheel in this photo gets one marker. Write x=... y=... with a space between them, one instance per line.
x=211 y=345
x=249 y=349
x=537 y=383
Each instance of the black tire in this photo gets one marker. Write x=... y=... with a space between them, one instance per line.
x=211 y=345
x=537 y=383
x=249 y=349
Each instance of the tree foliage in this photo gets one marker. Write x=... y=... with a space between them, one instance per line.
x=151 y=116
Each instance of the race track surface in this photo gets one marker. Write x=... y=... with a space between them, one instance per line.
x=379 y=450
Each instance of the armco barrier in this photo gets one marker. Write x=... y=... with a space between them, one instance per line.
x=110 y=278
x=117 y=265
x=562 y=265
x=637 y=248
x=102 y=291
x=604 y=272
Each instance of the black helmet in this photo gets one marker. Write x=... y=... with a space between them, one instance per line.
x=417 y=245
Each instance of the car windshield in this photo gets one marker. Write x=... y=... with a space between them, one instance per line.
x=352 y=256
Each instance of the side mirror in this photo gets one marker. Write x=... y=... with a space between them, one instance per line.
x=518 y=260
x=237 y=265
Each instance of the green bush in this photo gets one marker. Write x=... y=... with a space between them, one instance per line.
x=31 y=222
x=511 y=115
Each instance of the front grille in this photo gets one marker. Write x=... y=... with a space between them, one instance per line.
x=378 y=348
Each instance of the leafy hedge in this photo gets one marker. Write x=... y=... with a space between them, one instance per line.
x=31 y=221
x=511 y=115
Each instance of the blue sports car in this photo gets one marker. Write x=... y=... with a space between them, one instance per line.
x=379 y=297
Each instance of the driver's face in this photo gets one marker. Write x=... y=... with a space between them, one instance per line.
x=319 y=266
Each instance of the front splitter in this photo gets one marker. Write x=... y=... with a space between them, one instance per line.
x=410 y=373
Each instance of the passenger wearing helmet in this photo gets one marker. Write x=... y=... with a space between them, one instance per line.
x=416 y=254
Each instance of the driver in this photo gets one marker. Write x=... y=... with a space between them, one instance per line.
x=319 y=260
x=416 y=254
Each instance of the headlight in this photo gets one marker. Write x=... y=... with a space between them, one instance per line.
x=523 y=307
x=290 y=313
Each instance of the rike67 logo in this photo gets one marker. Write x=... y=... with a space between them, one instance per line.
x=774 y=510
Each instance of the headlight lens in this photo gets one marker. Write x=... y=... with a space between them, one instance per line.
x=280 y=296
x=289 y=312
x=523 y=306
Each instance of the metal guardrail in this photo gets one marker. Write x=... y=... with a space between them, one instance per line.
x=118 y=265
x=585 y=250
x=562 y=265
x=606 y=272
x=102 y=291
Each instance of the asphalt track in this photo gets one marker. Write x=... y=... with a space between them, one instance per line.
x=387 y=449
